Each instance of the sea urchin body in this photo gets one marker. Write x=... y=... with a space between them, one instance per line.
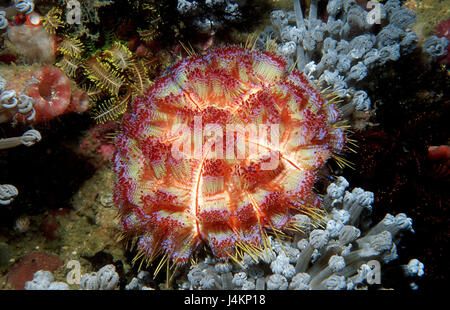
x=221 y=149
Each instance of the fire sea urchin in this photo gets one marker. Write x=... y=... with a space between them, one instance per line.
x=221 y=149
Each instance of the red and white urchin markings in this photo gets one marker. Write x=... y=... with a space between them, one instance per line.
x=180 y=184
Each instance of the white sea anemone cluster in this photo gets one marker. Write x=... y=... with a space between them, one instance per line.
x=106 y=278
x=342 y=51
x=345 y=253
x=43 y=280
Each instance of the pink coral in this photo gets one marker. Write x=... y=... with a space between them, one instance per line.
x=96 y=145
x=53 y=94
x=443 y=30
x=23 y=270
x=52 y=222
x=52 y=91
x=441 y=156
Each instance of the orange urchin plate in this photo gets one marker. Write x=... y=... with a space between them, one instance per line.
x=185 y=178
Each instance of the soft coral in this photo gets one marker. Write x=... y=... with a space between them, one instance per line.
x=443 y=30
